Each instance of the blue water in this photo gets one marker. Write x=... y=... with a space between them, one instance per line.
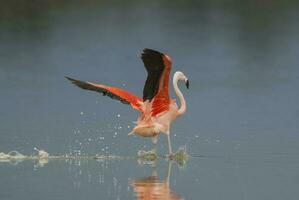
x=241 y=126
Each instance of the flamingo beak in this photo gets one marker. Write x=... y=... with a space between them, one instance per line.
x=187 y=84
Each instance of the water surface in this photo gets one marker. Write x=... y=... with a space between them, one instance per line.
x=241 y=126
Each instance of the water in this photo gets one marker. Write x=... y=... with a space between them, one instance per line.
x=241 y=127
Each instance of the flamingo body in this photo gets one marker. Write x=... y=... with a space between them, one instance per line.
x=149 y=125
x=157 y=109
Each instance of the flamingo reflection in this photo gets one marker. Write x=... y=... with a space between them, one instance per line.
x=151 y=188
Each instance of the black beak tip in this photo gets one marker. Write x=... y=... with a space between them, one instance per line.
x=187 y=84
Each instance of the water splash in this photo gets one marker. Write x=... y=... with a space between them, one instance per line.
x=181 y=156
x=144 y=157
x=149 y=157
x=42 y=154
x=12 y=155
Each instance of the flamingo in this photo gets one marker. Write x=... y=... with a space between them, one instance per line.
x=157 y=109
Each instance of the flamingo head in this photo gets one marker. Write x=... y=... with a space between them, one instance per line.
x=181 y=76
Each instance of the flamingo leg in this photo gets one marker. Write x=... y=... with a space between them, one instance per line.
x=155 y=141
x=169 y=145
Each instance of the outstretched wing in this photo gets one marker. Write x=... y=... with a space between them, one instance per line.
x=158 y=66
x=112 y=92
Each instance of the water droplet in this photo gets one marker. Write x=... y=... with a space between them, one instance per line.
x=81 y=113
x=118 y=115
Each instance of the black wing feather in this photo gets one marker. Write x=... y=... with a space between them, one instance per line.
x=89 y=86
x=153 y=62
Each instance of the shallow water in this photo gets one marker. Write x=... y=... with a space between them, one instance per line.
x=241 y=127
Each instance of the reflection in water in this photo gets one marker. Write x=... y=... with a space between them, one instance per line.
x=152 y=188
x=42 y=162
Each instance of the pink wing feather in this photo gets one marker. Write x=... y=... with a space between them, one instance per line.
x=113 y=92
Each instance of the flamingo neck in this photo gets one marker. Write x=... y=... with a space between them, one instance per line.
x=179 y=94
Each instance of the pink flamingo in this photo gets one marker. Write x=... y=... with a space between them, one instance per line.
x=157 y=109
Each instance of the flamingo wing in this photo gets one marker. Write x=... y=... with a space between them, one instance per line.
x=112 y=92
x=156 y=91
